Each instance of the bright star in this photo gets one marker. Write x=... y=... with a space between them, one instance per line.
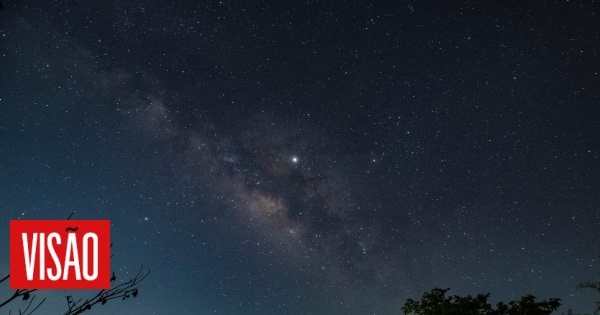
x=294 y=159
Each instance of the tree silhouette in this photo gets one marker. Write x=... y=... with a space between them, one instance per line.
x=121 y=291
x=594 y=285
x=25 y=294
x=435 y=302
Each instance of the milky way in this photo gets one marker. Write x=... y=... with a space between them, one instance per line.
x=310 y=157
x=307 y=207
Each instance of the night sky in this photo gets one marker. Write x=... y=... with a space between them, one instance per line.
x=310 y=157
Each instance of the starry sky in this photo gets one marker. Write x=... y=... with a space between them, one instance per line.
x=310 y=157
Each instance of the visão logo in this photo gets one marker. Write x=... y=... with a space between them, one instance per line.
x=60 y=254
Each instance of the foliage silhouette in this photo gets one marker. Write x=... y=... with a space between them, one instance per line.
x=435 y=302
x=594 y=285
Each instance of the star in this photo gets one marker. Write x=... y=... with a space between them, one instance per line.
x=403 y=167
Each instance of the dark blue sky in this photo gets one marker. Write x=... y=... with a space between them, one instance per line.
x=310 y=157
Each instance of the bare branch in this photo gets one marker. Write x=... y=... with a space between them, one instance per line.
x=18 y=293
x=123 y=291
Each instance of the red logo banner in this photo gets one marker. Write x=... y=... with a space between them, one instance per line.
x=59 y=254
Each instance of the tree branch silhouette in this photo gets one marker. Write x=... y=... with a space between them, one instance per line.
x=25 y=294
x=123 y=291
